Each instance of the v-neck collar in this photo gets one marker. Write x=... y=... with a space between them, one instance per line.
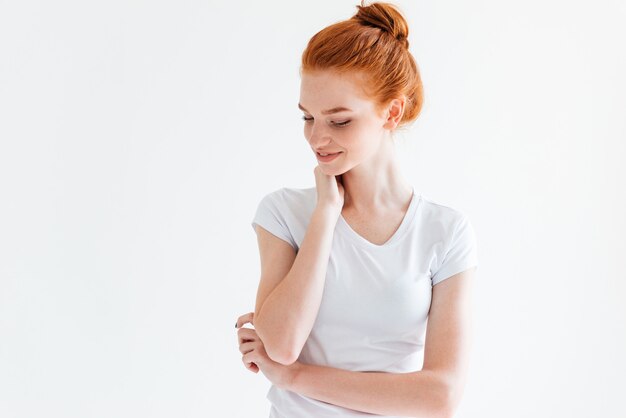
x=407 y=220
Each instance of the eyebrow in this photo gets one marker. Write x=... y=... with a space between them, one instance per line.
x=328 y=111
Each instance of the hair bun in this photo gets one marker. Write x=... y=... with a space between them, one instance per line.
x=386 y=17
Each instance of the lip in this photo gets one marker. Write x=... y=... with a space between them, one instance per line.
x=327 y=158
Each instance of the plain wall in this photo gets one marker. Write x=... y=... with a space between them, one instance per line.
x=137 y=138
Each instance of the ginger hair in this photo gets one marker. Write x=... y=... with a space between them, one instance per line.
x=374 y=44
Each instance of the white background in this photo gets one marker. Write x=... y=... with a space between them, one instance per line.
x=137 y=138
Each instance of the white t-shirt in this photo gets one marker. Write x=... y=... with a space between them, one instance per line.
x=376 y=299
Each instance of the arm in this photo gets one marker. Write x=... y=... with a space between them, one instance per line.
x=416 y=394
x=287 y=305
x=434 y=391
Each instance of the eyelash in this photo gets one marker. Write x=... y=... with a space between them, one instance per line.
x=339 y=124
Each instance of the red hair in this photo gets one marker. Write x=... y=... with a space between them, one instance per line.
x=372 y=42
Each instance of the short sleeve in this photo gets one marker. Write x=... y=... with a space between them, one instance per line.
x=270 y=215
x=461 y=252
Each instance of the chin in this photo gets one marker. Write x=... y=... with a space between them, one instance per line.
x=334 y=171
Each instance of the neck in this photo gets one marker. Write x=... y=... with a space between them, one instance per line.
x=376 y=185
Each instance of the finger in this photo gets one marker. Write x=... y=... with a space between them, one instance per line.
x=245 y=348
x=246 y=334
x=249 y=317
x=250 y=365
x=250 y=358
x=253 y=368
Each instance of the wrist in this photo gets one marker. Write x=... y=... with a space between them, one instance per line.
x=327 y=212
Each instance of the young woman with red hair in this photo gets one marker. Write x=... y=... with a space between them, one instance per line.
x=354 y=269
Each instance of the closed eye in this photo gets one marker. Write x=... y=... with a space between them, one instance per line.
x=339 y=124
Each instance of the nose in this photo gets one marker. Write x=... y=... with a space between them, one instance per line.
x=318 y=136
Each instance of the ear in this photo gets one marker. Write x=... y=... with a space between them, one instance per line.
x=394 y=112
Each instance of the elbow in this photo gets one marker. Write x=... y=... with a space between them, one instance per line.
x=449 y=402
x=444 y=398
x=286 y=360
x=278 y=349
x=281 y=355
x=439 y=409
x=446 y=412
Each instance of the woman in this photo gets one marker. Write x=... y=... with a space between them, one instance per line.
x=353 y=269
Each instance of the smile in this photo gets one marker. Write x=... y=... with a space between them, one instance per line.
x=327 y=158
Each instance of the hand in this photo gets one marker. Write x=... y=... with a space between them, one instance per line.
x=255 y=358
x=330 y=191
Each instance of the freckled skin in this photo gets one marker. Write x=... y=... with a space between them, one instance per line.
x=361 y=139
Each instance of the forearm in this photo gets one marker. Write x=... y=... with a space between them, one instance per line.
x=287 y=315
x=416 y=394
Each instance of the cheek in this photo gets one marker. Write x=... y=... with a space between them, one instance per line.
x=354 y=136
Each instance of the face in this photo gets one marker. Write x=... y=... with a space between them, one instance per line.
x=340 y=119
